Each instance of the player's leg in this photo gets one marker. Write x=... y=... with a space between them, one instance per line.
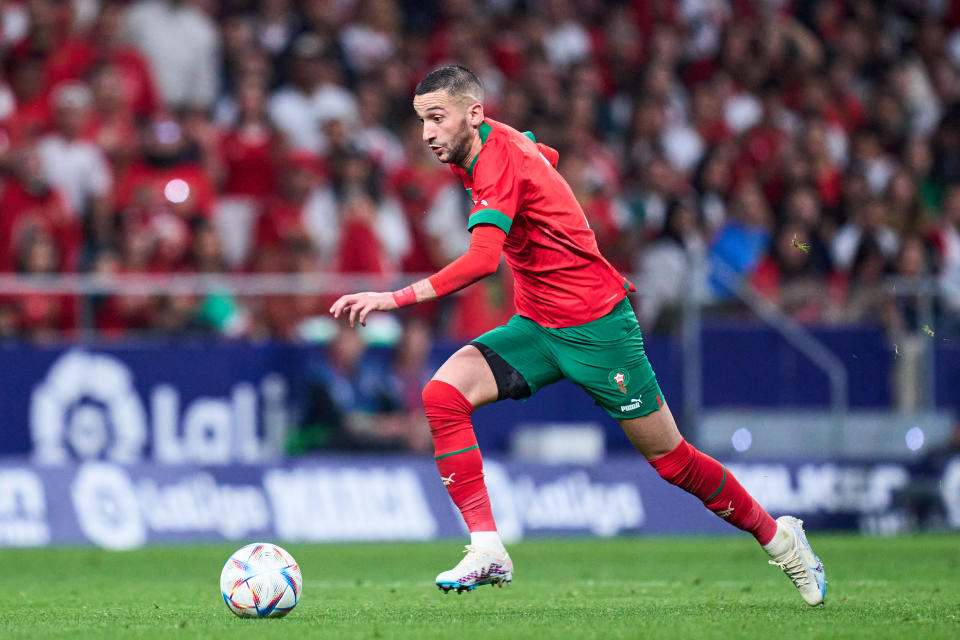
x=464 y=382
x=678 y=462
x=474 y=376
x=656 y=436
x=609 y=362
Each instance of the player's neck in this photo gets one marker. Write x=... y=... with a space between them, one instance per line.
x=475 y=145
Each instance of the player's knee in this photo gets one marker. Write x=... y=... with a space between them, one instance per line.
x=432 y=395
x=443 y=400
x=675 y=466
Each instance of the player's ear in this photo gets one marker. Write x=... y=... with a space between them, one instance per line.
x=474 y=115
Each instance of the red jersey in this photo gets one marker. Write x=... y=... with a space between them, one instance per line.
x=561 y=280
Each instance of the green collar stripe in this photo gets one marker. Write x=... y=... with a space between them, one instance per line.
x=453 y=453
x=530 y=135
x=490 y=216
x=723 y=481
x=485 y=130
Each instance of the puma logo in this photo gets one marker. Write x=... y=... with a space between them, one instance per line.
x=724 y=513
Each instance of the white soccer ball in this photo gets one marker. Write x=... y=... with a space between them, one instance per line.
x=261 y=580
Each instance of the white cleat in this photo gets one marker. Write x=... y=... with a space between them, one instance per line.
x=478 y=567
x=798 y=561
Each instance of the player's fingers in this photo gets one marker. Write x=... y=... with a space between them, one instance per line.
x=341 y=304
x=354 y=309
x=343 y=310
x=367 y=308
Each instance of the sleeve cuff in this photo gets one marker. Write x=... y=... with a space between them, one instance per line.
x=490 y=216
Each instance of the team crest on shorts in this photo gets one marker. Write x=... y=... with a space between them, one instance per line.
x=621 y=378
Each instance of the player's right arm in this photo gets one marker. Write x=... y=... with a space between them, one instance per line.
x=479 y=261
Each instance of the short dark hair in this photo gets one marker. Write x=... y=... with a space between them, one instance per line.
x=456 y=80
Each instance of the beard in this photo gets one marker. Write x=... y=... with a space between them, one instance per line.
x=458 y=148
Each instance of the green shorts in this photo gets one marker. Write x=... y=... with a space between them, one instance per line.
x=605 y=357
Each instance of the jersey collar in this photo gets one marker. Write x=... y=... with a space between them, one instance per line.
x=484 y=131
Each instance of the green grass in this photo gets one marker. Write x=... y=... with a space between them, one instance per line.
x=623 y=588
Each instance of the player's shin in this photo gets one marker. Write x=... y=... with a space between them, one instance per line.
x=458 y=458
x=704 y=477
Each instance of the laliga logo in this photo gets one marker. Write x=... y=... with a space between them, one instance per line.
x=88 y=408
x=82 y=397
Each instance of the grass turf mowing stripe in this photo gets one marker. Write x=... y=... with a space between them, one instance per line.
x=687 y=587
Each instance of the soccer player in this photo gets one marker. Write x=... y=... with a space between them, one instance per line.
x=573 y=321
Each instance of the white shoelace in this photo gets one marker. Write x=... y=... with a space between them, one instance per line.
x=469 y=549
x=794 y=568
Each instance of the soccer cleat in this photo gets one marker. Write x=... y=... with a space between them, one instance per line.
x=799 y=561
x=478 y=567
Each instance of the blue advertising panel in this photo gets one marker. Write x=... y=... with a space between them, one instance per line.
x=364 y=498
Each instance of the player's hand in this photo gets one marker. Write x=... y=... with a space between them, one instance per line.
x=360 y=304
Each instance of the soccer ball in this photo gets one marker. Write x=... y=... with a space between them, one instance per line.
x=261 y=580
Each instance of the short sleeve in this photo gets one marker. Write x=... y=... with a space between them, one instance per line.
x=496 y=187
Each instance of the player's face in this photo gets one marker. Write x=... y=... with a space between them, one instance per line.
x=445 y=127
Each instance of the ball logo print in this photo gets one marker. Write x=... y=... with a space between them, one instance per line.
x=261 y=580
x=87 y=404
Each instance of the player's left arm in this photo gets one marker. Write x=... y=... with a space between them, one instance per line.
x=480 y=260
x=496 y=200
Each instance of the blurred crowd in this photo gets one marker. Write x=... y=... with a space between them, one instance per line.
x=810 y=146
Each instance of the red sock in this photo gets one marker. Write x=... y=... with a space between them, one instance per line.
x=457 y=454
x=710 y=481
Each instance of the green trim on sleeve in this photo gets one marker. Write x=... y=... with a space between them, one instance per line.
x=490 y=216
x=530 y=135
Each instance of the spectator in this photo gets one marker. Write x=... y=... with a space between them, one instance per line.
x=41 y=316
x=672 y=266
x=372 y=138
x=31 y=115
x=790 y=277
x=867 y=299
x=182 y=45
x=106 y=46
x=373 y=37
x=350 y=402
x=869 y=224
x=170 y=177
x=946 y=240
x=904 y=314
x=33 y=209
x=743 y=240
x=305 y=210
x=411 y=369
x=838 y=122
x=375 y=236
x=275 y=26
x=77 y=167
x=112 y=122
x=248 y=151
x=311 y=97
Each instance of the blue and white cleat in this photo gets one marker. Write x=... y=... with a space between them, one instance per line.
x=478 y=567
x=798 y=560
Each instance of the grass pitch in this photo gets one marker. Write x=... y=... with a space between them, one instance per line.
x=622 y=588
